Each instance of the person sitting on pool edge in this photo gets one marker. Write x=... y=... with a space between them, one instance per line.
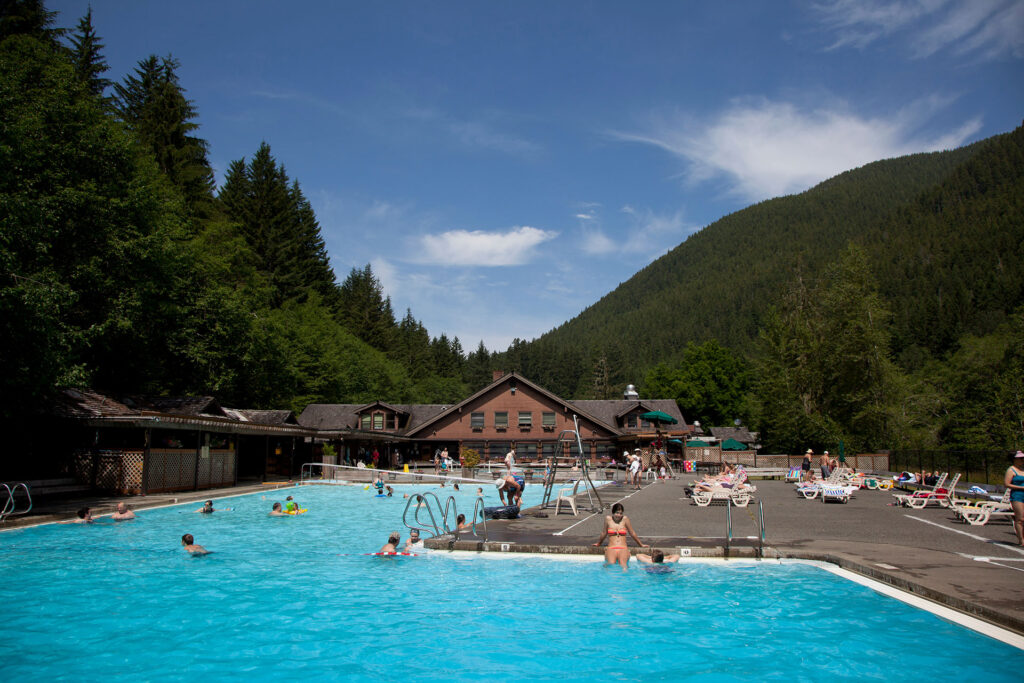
x=656 y=557
x=276 y=511
x=391 y=547
x=512 y=486
x=191 y=547
x=123 y=513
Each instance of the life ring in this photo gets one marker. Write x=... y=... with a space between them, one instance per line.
x=301 y=511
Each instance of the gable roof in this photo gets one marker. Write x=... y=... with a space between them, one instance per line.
x=519 y=380
x=341 y=416
x=741 y=434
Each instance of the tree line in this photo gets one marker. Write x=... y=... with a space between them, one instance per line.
x=123 y=266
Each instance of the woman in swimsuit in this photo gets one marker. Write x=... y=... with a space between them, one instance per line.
x=1014 y=480
x=616 y=526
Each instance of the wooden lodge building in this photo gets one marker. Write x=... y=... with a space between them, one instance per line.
x=149 y=445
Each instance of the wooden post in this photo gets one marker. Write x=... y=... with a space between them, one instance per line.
x=146 y=446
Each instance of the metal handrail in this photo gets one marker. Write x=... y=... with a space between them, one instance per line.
x=760 y=522
x=418 y=498
x=728 y=531
x=10 y=508
x=479 y=505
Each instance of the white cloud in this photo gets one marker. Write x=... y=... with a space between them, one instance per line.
x=989 y=29
x=596 y=243
x=766 y=149
x=475 y=134
x=481 y=248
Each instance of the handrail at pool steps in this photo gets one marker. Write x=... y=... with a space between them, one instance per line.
x=423 y=498
x=10 y=508
x=728 y=525
x=760 y=524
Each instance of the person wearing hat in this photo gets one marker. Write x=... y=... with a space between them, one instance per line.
x=806 y=464
x=1014 y=481
x=511 y=486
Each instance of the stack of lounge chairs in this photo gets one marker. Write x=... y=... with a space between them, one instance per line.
x=839 y=487
x=981 y=514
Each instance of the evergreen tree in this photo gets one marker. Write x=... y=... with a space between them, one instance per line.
x=28 y=18
x=364 y=309
x=86 y=56
x=153 y=105
x=280 y=227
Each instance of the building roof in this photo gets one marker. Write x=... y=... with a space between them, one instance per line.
x=609 y=411
x=741 y=434
x=337 y=416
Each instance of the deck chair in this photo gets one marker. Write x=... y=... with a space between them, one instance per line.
x=940 y=496
x=901 y=498
x=839 y=494
x=982 y=513
x=568 y=495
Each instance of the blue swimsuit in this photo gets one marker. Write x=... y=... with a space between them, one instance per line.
x=1017 y=495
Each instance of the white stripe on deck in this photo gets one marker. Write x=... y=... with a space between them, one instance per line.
x=593 y=514
x=974 y=536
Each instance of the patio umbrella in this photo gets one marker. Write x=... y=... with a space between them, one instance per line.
x=733 y=445
x=696 y=443
x=659 y=417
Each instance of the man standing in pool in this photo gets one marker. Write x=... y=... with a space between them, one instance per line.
x=123 y=513
x=190 y=546
x=413 y=540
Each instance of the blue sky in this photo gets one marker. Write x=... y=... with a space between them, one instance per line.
x=502 y=166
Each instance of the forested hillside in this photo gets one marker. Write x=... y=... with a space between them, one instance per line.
x=933 y=267
x=124 y=268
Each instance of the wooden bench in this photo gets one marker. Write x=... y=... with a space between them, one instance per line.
x=767 y=472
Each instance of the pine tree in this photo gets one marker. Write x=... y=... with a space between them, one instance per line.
x=86 y=56
x=152 y=103
x=364 y=309
x=28 y=18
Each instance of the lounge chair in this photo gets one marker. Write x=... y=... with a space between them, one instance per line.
x=940 y=496
x=740 y=495
x=901 y=498
x=839 y=494
x=982 y=513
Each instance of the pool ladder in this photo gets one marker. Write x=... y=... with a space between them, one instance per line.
x=10 y=508
x=760 y=528
x=449 y=511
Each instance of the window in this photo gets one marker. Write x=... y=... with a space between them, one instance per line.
x=526 y=451
x=393 y=422
x=548 y=450
x=496 y=450
x=476 y=420
x=364 y=422
x=525 y=419
x=378 y=420
x=631 y=421
x=501 y=420
x=547 y=420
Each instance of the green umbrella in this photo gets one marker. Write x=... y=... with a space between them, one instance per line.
x=659 y=417
x=697 y=443
x=733 y=445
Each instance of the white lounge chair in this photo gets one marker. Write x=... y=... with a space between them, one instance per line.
x=901 y=498
x=982 y=513
x=940 y=496
x=740 y=496
x=839 y=494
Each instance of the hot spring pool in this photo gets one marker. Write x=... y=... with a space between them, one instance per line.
x=296 y=597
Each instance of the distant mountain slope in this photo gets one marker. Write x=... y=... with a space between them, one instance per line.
x=935 y=225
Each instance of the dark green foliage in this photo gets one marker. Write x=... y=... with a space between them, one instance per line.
x=86 y=57
x=366 y=311
x=280 y=228
x=710 y=384
x=152 y=103
x=28 y=18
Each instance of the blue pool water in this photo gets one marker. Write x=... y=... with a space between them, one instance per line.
x=296 y=597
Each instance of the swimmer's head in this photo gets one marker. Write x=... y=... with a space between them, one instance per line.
x=657 y=556
x=414 y=535
x=208 y=504
x=187 y=540
x=288 y=498
x=461 y=519
x=122 y=508
x=83 y=513
x=276 y=507
x=394 y=537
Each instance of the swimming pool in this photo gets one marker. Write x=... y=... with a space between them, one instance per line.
x=296 y=597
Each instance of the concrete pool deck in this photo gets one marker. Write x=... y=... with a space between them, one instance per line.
x=975 y=570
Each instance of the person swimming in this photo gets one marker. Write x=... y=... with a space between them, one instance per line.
x=290 y=505
x=391 y=547
x=616 y=527
x=191 y=547
x=276 y=511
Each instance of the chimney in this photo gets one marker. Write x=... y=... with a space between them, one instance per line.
x=630 y=393
x=497 y=374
